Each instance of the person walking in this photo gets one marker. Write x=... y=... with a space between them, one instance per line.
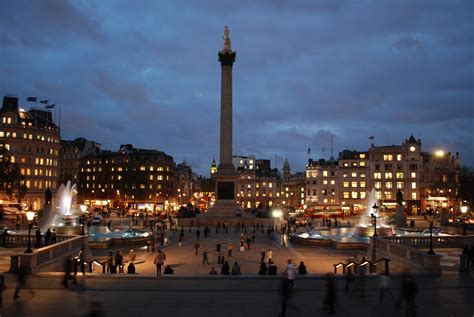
x=384 y=284
x=198 y=233
x=38 y=238
x=196 y=247
x=53 y=237
x=286 y=293
x=159 y=261
x=132 y=256
x=47 y=237
x=272 y=268
x=204 y=258
x=262 y=255
x=269 y=256
x=230 y=246
x=291 y=272
x=263 y=268
x=242 y=248
x=302 y=269
x=218 y=248
x=329 y=294
x=180 y=241
x=109 y=262
x=247 y=240
x=408 y=294
x=119 y=261
x=348 y=279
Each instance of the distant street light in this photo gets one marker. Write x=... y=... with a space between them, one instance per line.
x=83 y=209
x=30 y=215
x=464 y=209
x=375 y=209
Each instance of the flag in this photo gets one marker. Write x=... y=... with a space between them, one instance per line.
x=44 y=101
x=32 y=99
x=50 y=106
x=371 y=137
x=309 y=151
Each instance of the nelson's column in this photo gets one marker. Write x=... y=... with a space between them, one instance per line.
x=225 y=205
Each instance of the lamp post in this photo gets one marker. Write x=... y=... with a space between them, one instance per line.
x=30 y=215
x=375 y=209
x=430 y=217
x=464 y=209
x=83 y=209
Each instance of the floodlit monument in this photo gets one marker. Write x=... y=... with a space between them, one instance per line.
x=225 y=205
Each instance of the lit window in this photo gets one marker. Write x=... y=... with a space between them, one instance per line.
x=388 y=175
x=378 y=195
x=413 y=185
x=399 y=175
x=151 y=168
x=362 y=174
x=345 y=184
x=389 y=185
x=354 y=184
x=362 y=163
x=362 y=156
x=159 y=177
x=388 y=157
x=325 y=173
x=413 y=195
x=362 y=184
x=354 y=195
x=333 y=182
x=377 y=175
x=399 y=185
x=345 y=195
x=363 y=195
x=399 y=157
x=346 y=164
x=325 y=182
x=388 y=195
x=354 y=174
x=413 y=174
x=378 y=185
x=151 y=177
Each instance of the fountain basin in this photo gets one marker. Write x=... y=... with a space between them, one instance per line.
x=368 y=231
x=100 y=237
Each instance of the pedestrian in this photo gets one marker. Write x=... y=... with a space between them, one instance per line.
x=225 y=270
x=291 y=272
x=109 y=262
x=67 y=273
x=329 y=294
x=248 y=243
x=47 y=237
x=213 y=271
x=226 y=227
x=2 y=289
x=361 y=278
x=384 y=284
x=180 y=241
x=196 y=247
x=348 y=279
x=263 y=268
x=132 y=256
x=168 y=270
x=53 y=236
x=286 y=293
x=159 y=261
x=198 y=233
x=262 y=255
x=38 y=238
x=236 y=269
x=119 y=261
x=269 y=255
x=204 y=258
x=242 y=248
x=272 y=268
x=230 y=246
x=302 y=269
x=408 y=294
x=218 y=248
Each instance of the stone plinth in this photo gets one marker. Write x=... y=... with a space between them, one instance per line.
x=400 y=218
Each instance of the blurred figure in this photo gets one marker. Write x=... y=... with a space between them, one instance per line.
x=263 y=268
x=20 y=283
x=286 y=293
x=329 y=293
x=225 y=270
x=236 y=269
x=67 y=273
x=213 y=271
x=95 y=310
x=408 y=294
x=132 y=256
x=291 y=272
x=302 y=269
x=168 y=270
x=348 y=278
x=384 y=283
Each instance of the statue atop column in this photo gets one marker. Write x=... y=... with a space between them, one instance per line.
x=226 y=38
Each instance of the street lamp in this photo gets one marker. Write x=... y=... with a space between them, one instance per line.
x=464 y=209
x=430 y=216
x=83 y=209
x=375 y=209
x=30 y=215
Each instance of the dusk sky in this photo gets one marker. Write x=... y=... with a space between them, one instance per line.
x=147 y=73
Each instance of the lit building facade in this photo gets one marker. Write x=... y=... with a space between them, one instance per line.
x=32 y=140
x=293 y=188
x=354 y=184
x=441 y=181
x=128 y=176
x=322 y=184
x=394 y=168
x=71 y=155
x=258 y=188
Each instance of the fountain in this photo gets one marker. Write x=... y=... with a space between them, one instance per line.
x=62 y=217
x=365 y=228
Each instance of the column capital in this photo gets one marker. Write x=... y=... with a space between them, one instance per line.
x=227 y=57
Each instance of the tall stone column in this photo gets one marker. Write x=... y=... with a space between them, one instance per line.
x=226 y=58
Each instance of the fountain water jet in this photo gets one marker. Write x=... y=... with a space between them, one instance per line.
x=364 y=228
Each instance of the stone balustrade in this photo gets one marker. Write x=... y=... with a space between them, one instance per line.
x=21 y=240
x=405 y=254
x=49 y=258
x=448 y=241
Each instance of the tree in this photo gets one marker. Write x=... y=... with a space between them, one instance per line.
x=11 y=180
